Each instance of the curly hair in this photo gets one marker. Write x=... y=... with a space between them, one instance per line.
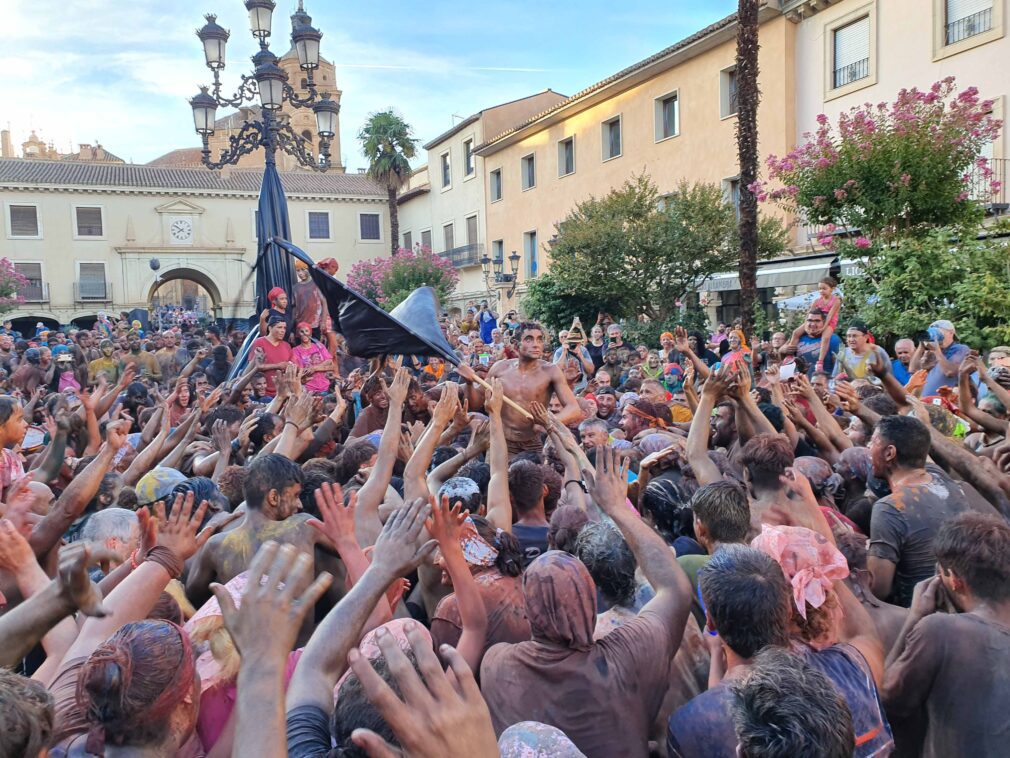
x=603 y=550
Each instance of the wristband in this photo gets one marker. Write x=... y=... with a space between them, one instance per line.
x=168 y=560
x=133 y=559
x=299 y=428
x=582 y=485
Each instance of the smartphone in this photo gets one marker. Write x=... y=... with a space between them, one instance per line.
x=485 y=359
x=787 y=371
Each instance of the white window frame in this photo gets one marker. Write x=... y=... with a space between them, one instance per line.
x=605 y=136
x=532 y=252
x=252 y=214
x=452 y=225
x=466 y=227
x=658 y=115
x=942 y=50
x=403 y=240
x=501 y=185
x=561 y=141
x=420 y=238
x=727 y=191
x=358 y=231
x=10 y=230
x=447 y=157
x=724 y=98
x=831 y=92
x=329 y=226
x=77 y=281
x=473 y=159
x=523 y=174
x=500 y=243
x=43 y=279
x=73 y=221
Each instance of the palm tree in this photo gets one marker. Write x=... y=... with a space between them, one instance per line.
x=387 y=143
x=748 y=97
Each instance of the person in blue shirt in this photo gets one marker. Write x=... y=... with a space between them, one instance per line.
x=947 y=352
x=808 y=345
x=487 y=320
x=903 y=350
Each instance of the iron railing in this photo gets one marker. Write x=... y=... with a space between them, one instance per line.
x=969 y=26
x=465 y=255
x=980 y=186
x=851 y=72
x=36 y=291
x=92 y=291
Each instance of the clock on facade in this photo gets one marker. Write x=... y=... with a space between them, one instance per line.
x=181 y=231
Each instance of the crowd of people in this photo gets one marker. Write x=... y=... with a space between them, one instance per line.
x=565 y=545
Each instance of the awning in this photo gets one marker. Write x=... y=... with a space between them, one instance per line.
x=790 y=272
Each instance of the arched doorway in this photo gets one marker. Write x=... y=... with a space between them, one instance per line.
x=183 y=294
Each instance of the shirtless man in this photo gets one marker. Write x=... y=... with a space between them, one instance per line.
x=527 y=379
x=272 y=487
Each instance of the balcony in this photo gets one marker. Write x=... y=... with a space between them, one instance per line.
x=980 y=187
x=852 y=72
x=92 y=292
x=465 y=255
x=968 y=26
x=34 y=292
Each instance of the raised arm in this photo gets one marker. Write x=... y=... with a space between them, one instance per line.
x=682 y=344
x=416 y=471
x=499 y=506
x=965 y=400
x=479 y=442
x=825 y=421
x=372 y=493
x=570 y=412
x=399 y=549
x=705 y=471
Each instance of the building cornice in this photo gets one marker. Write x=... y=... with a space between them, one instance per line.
x=175 y=192
x=797 y=10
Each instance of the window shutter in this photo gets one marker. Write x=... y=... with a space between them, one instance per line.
x=961 y=9
x=471 y=230
x=852 y=43
x=24 y=221
x=92 y=281
x=30 y=271
x=370 y=226
x=408 y=241
x=426 y=239
x=449 y=237
x=319 y=225
x=89 y=222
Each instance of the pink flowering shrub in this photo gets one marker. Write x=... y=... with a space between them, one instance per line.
x=388 y=281
x=10 y=282
x=892 y=169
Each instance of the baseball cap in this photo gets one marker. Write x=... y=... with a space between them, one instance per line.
x=943 y=324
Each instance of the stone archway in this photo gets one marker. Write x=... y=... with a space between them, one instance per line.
x=184 y=274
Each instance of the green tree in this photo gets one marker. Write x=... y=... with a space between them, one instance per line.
x=748 y=98
x=640 y=254
x=388 y=145
x=548 y=301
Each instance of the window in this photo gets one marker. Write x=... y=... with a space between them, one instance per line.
x=667 y=116
x=426 y=239
x=408 y=241
x=91 y=284
x=256 y=220
x=446 y=171
x=498 y=250
x=612 y=138
x=966 y=18
x=468 y=163
x=448 y=238
x=530 y=248
x=34 y=290
x=24 y=221
x=319 y=225
x=88 y=221
x=732 y=189
x=529 y=172
x=852 y=53
x=728 y=93
x=471 y=230
x=566 y=156
x=496 y=185
x=371 y=229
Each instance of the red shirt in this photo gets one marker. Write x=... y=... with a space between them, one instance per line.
x=279 y=353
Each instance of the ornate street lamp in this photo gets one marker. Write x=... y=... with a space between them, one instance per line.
x=269 y=84
x=493 y=270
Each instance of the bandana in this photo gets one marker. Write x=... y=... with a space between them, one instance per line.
x=653 y=421
x=810 y=563
x=476 y=550
x=275 y=293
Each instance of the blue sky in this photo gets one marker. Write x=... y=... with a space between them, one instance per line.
x=120 y=71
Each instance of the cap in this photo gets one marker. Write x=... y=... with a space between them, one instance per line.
x=275 y=293
x=943 y=324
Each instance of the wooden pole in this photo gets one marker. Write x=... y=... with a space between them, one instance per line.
x=508 y=401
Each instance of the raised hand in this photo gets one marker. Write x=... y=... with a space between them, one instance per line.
x=271 y=603
x=608 y=484
x=848 y=397
x=446 y=524
x=299 y=412
x=181 y=532
x=448 y=402
x=116 y=432
x=434 y=717
x=718 y=383
x=15 y=553
x=541 y=415
x=398 y=388
x=404 y=447
x=74 y=582
x=494 y=399
x=220 y=436
x=400 y=547
x=480 y=440
x=338 y=519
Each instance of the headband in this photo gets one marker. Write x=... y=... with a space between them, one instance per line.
x=653 y=421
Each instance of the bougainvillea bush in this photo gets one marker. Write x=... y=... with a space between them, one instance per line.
x=389 y=280
x=10 y=282
x=893 y=169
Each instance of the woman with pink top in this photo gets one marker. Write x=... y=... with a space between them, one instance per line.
x=314 y=359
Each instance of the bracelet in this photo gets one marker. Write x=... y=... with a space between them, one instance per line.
x=299 y=428
x=168 y=560
x=582 y=484
x=133 y=559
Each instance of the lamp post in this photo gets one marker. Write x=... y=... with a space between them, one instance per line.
x=495 y=267
x=269 y=83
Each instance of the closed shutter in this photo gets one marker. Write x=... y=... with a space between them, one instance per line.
x=962 y=9
x=471 y=230
x=966 y=18
x=33 y=291
x=24 y=221
x=852 y=52
x=448 y=237
x=426 y=239
x=370 y=226
x=92 y=284
x=89 y=222
x=408 y=241
x=319 y=225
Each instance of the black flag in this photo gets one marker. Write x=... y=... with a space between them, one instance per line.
x=371 y=331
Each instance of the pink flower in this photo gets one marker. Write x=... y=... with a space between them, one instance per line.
x=862 y=243
x=841 y=194
x=830 y=228
x=826 y=241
